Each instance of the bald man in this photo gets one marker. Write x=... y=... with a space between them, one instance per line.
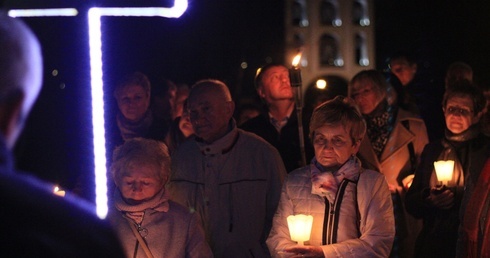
x=230 y=177
x=34 y=221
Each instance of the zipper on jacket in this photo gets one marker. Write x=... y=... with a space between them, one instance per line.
x=331 y=215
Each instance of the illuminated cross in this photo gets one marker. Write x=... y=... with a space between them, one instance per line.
x=96 y=75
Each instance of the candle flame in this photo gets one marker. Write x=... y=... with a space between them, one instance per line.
x=296 y=60
x=58 y=191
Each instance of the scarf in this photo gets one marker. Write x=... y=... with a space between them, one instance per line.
x=131 y=129
x=159 y=202
x=379 y=126
x=476 y=231
x=451 y=143
x=325 y=183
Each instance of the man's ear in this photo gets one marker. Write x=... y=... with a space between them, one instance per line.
x=11 y=116
x=261 y=93
x=230 y=108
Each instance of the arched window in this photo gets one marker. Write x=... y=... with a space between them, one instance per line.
x=361 y=50
x=329 y=51
x=329 y=13
x=359 y=13
x=298 y=13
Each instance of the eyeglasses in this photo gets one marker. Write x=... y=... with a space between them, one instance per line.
x=456 y=111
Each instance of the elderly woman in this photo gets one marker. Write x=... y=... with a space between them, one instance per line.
x=393 y=144
x=147 y=222
x=351 y=207
x=464 y=143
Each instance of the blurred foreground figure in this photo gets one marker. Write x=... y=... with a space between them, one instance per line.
x=229 y=177
x=35 y=222
x=476 y=225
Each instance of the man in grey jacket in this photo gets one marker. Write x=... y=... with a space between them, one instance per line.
x=230 y=177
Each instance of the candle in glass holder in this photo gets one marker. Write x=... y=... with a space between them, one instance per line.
x=444 y=170
x=300 y=227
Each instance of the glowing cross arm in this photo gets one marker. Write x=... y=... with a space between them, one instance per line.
x=96 y=75
x=95 y=42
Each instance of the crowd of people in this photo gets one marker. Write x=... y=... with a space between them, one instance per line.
x=191 y=181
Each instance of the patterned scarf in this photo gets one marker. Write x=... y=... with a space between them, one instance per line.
x=159 y=202
x=325 y=183
x=130 y=129
x=379 y=126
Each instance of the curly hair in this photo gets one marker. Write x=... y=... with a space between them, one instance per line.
x=141 y=151
x=339 y=110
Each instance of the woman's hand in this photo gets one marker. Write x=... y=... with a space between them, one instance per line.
x=442 y=200
x=305 y=251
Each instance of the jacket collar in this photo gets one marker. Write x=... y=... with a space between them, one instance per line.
x=398 y=139
x=221 y=146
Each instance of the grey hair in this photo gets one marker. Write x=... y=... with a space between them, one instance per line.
x=140 y=150
x=212 y=85
x=340 y=110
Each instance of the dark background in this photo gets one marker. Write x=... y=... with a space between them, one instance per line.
x=210 y=40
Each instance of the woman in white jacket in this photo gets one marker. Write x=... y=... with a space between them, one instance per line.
x=351 y=207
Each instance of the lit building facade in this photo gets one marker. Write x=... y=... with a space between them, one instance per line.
x=336 y=38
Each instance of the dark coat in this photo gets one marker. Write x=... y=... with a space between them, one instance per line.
x=286 y=142
x=37 y=223
x=439 y=234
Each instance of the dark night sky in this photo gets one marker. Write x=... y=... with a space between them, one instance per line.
x=210 y=40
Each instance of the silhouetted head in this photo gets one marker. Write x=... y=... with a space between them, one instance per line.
x=21 y=73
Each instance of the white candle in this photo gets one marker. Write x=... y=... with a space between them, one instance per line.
x=444 y=170
x=300 y=227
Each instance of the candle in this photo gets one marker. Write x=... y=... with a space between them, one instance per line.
x=444 y=170
x=300 y=227
x=58 y=191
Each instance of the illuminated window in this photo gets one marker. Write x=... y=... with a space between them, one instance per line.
x=329 y=13
x=329 y=51
x=361 y=50
x=360 y=13
x=299 y=14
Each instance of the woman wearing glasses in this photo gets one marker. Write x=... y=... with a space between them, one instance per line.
x=393 y=144
x=440 y=206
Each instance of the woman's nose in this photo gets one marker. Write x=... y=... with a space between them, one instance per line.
x=136 y=187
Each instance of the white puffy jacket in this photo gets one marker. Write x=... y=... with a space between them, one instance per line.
x=362 y=223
